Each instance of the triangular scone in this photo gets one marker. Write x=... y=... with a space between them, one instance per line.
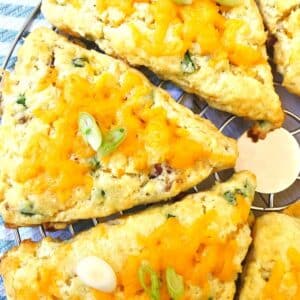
x=293 y=210
x=214 y=51
x=272 y=268
x=204 y=238
x=49 y=173
x=283 y=20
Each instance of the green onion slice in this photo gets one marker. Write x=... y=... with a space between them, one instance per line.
x=229 y=2
x=187 y=64
x=79 y=62
x=22 y=100
x=90 y=130
x=175 y=284
x=112 y=141
x=184 y=2
x=153 y=290
x=230 y=197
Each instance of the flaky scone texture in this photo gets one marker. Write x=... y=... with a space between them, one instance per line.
x=50 y=174
x=215 y=227
x=283 y=20
x=272 y=266
x=235 y=85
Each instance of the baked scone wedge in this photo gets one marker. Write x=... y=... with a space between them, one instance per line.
x=204 y=238
x=56 y=105
x=217 y=52
x=272 y=268
x=283 y=20
x=293 y=210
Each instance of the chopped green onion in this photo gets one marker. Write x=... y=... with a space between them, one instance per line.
x=154 y=290
x=230 y=197
x=169 y=216
x=27 y=209
x=175 y=284
x=187 y=65
x=94 y=163
x=22 y=100
x=248 y=189
x=229 y=2
x=184 y=2
x=90 y=130
x=112 y=141
x=79 y=62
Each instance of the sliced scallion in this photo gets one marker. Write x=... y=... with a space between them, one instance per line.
x=90 y=130
x=184 y=2
x=175 y=284
x=187 y=64
x=169 y=216
x=230 y=197
x=22 y=100
x=27 y=209
x=79 y=62
x=229 y=2
x=112 y=141
x=94 y=163
x=153 y=290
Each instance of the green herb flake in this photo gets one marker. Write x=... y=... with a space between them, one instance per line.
x=79 y=62
x=112 y=141
x=230 y=197
x=230 y=3
x=94 y=163
x=247 y=189
x=169 y=216
x=183 y=2
x=22 y=100
x=27 y=210
x=175 y=284
x=187 y=64
x=89 y=130
x=145 y=271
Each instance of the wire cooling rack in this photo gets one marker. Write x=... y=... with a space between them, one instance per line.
x=228 y=124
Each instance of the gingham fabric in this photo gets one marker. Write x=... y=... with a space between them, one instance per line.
x=13 y=14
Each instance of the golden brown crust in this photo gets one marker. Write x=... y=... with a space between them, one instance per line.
x=26 y=268
x=282 y=18
x=244 y=91
x=121 y=190
x=275 y=237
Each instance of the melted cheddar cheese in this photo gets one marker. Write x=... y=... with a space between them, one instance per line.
x=196 y=252
x=56 y=161
x=293 y=209
x=175 y=29
x=280 y=275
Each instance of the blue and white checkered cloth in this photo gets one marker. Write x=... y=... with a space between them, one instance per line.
x=13 y=14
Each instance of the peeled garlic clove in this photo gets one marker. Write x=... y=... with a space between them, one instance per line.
x=97 y=273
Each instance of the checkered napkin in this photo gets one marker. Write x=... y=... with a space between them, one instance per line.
x=13 y=14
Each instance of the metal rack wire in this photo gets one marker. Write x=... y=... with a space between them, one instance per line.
x=202 y=109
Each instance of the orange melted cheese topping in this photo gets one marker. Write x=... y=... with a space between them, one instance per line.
x=196 y=251
x=176 y=28
x=56 y=161
x=290 y=278
x=293 y=210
